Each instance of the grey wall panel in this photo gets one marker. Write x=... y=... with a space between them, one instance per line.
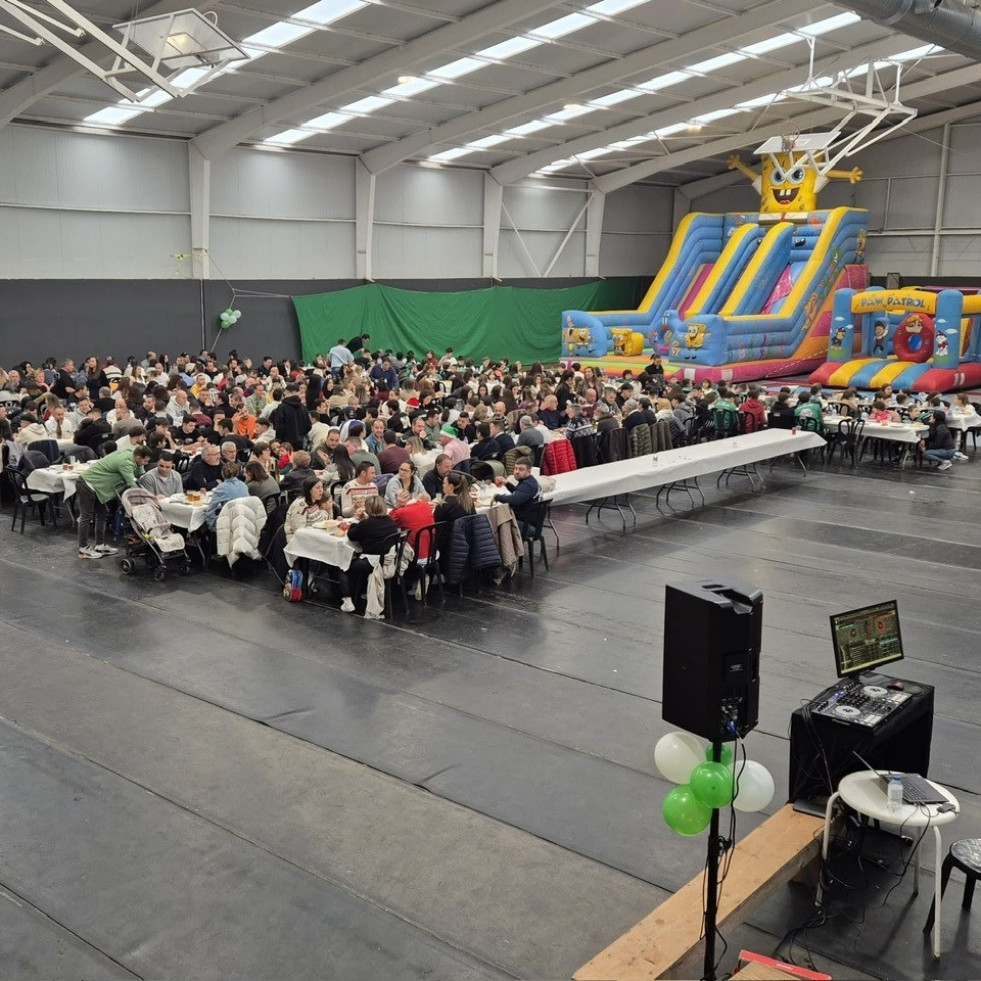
x=962 y=203
x=740 y=196
x=960 y=255
x=633 y=255
x=912 y=155
x=873 y=195
x=639 y=209
x=424 y=196
x=253 y=248
x=37 y=243
x=406 y=251
x=51 y=168
x=964 y=142
x=282 y=185
x=539 y=207
x=514 y=263
x=908 y=255
x=912 y=202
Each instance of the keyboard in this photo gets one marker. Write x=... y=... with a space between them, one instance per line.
x=919 y=790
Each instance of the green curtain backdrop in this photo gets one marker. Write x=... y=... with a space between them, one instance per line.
x=502 y=321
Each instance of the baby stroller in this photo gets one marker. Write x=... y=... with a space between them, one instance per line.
x=150 y=537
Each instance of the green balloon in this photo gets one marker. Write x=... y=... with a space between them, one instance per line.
x=684 y=813
x=711 y=783
x=726 y=753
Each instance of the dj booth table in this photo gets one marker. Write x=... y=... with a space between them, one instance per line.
x=823 y=748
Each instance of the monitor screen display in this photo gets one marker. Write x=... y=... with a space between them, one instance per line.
x=866 y=638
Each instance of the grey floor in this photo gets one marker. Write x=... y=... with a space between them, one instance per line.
x=201 y=780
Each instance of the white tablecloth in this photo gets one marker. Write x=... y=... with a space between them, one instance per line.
x=321 y=545
x=183 y=515
x=964 y=423
x=54 y=480
x=683 y=463
x=895 y=432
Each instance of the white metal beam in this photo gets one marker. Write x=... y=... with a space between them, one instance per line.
x=594 y=232
x=17 y=98
x=199 y=177
x=493 y=205
x=621 y=178
x=216 y=141
x=364 y=224
x=726 y=98
x=725 y=29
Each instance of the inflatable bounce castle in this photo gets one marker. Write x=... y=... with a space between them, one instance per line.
x=741 y=296
x=916 y=339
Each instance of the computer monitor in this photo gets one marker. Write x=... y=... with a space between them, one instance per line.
x=866 y=638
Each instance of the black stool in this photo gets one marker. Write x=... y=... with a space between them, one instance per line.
x=966 y=856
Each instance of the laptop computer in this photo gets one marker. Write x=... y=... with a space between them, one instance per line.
x=916 y=789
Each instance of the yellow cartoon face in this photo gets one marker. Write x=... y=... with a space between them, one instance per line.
x=696 y=335
x=787 y=185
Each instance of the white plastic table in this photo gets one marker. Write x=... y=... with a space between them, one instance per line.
x=864 y=793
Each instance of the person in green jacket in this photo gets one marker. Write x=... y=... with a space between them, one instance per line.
x=99 y=485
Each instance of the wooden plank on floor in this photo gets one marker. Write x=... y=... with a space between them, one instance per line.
x=762 y=863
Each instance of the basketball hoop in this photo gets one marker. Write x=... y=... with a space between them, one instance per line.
x=789 y=135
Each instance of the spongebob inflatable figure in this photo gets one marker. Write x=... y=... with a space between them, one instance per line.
x=790 y=179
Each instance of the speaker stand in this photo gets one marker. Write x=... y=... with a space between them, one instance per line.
x=712 y=872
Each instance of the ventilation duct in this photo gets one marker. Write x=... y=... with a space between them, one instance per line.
x=947 y=23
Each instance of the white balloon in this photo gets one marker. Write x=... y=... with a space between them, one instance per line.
x=236 y=314
x=756 y=787
x=677 y=754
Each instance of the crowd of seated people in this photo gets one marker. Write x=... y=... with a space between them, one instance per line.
x=356 y=418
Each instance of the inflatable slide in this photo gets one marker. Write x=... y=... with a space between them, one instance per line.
x=739 y=296
x=917 y=339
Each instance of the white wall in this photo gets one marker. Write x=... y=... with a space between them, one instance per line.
x=79 y=206
x=75 y=205
x=282 y=216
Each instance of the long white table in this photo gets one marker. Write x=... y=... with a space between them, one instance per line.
x=56 y=480
x=182 y=514
x=673 y=466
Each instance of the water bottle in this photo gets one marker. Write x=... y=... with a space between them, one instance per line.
x=894 y=792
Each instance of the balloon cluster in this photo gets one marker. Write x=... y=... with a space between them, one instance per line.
x=229 y=317
x=706 y=784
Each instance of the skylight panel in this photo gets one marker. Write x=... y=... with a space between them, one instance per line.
x=415 y=87
x=488 y=141
x=288 y=137
x=670 y=130
x=770 y=44
x=714 y=64
x=614 y=98
x=915 y=53
x=454 y=154
x=327 y=11
x=664 y=81
x=113 y=115
x=278 y=35
x=569 y=112
x=462 y=66
x=711 y=117
x=562 y=26
x=830 y=24
x=155 y=99
x=327 y=121
x=610 y=8
x=525 y=128
x=365 y=106
x=509 y=48
x=590 y=154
